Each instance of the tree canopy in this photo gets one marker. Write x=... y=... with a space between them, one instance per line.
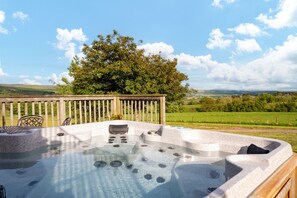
x=114 y=64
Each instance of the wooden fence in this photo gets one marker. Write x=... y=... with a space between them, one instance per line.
x=84 y=109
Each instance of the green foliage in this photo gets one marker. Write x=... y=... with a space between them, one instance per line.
x=191 y=108
x=192 y=102
x=66 y=88
x=117 y=116
x=172 y=107
x=207 y=104
x=114 y=64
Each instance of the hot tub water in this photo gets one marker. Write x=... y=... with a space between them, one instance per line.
x=124 y=167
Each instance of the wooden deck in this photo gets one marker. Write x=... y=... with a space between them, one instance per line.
x=282 y=184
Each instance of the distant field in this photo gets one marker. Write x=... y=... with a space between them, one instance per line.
x=18 y=90
x=240 y=118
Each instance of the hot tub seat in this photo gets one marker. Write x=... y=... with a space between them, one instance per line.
x=201 y=145
x=23 y=141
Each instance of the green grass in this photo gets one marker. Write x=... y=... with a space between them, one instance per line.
x=237 y=118
x=218 y=126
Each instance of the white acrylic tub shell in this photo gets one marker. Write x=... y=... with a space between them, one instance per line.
x=245 y=172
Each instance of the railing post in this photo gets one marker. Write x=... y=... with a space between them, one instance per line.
x=162 y=117
x=61 y=111
x=3 y=114
x=116 y=105
x=11 y=114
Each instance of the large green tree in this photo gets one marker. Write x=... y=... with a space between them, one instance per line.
x=114 y=64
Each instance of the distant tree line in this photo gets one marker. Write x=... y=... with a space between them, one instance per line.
x=277 y=102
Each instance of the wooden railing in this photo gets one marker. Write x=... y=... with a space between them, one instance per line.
x=84 y=109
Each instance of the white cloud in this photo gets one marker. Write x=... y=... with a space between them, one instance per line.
x=286 y=15
x=230 y=1
x=21 y=16
x=24 y=76
x=247 y=45
x=70 y=51
x=2 y=16
x=218 y=3
x=3 y=30
x=275 y=70
x=157 y=48
x=57 y=79
x=252 y=76
x=37 y=77
x=2 y=72
x=26 y=79
x=217 y=40
x=249 y=29
x=215 y=70
x=29 y=82
x=68 y=41
x=64 y=37
x=2 y=19
x=190 y=62
x=279 y=66
x=194 y=62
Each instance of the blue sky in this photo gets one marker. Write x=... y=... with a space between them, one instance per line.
x=219 y=44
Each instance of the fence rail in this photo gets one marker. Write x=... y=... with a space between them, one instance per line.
x=84 y=109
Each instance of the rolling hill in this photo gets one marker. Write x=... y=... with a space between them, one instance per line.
x=19 y=89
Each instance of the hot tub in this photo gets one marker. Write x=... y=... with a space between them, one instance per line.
x=150 y=160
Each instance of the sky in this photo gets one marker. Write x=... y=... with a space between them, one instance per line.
x=219 y=44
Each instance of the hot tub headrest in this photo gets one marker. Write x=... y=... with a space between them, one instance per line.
x=118 y=129
x=253 y=149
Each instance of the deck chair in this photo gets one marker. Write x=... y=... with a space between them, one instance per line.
x=66 y=122
x=31 y=120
